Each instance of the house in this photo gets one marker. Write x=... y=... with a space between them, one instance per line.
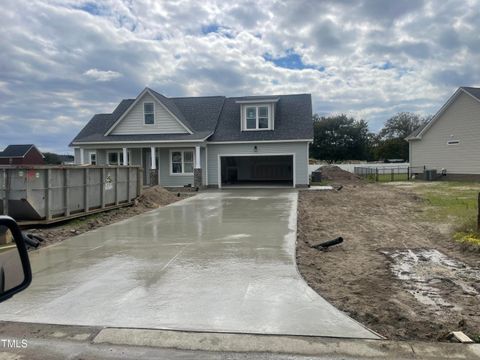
x=21 y=155
x=450 y=142
x=210 y=141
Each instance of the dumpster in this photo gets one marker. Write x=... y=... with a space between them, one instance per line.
x=53 y=193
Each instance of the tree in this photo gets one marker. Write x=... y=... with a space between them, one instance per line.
x=52 y=158
x=391 y=140
x=401 y=125
x=339 y=138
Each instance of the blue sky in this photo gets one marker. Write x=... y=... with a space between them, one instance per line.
x=63 y=60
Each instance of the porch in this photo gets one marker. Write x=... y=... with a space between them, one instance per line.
x=166 y=165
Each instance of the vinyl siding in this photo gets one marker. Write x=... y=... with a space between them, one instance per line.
x=300 y=150
x=177 y=180
x=461 y=121
x=133 y=122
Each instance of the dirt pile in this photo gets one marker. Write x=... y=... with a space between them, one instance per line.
x=156 y=196
x=335 y=174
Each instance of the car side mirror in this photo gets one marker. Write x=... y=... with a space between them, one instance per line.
x=15 y=271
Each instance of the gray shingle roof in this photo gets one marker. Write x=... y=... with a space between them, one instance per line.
x=211 y=114
x=293 y=120
x=475 y=92
x=16 y=150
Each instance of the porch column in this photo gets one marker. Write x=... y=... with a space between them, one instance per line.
x=125 y=157
x=82 y=156
x=197 y=171
x=153 y=166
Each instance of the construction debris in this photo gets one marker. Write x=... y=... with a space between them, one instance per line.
x=459 y=336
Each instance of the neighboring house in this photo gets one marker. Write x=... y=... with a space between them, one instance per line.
x=204 y=141
x=451 y=140
x=21 y=155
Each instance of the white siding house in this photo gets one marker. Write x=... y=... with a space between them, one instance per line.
x=451 y=140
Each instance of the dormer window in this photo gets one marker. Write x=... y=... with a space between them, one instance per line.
x=149 y=113
x=257 y=117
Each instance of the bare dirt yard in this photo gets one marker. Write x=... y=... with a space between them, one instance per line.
x=151 y=198
x=398 y=271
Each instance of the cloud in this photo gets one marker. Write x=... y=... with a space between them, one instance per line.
x=100 y=75
x=367 y=58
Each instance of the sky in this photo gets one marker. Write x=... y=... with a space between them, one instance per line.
x=63 y=61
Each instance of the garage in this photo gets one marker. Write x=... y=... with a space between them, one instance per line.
x=257 y=170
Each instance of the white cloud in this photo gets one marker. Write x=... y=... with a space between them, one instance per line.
x=377 y=58
x=100 y=75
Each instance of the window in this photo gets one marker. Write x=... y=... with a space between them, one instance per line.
x=116 y=158
x=148 y=113
x=181 y=162
x=93 y=158
x=257 y=117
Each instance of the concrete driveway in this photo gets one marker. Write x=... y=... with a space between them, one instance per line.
x=220 y=261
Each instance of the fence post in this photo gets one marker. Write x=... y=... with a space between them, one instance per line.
x=376 y=174
x=392 y=175
x=116 y=185
x=139 y=181
x=85 y=188
x=128 y=185
x=102 y=187
x=408 y=172
x=6 y=188
x=66 y=191
x=48 y=194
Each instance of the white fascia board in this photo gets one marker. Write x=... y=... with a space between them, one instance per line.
x=263 y=101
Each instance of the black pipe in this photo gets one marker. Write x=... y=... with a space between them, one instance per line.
x=327 y=244
x=30 y=242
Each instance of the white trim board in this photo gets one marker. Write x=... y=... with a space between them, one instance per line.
x=247 y=142
x=219 y=169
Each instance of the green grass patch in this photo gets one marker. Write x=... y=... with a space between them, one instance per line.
x=455 y=203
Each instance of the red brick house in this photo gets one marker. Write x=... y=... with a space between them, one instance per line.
x=21 y=155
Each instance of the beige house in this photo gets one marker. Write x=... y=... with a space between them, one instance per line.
x=450 y=142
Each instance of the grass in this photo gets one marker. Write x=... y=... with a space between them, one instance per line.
x=453 y=202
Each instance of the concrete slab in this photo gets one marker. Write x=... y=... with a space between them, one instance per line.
x=221 y=261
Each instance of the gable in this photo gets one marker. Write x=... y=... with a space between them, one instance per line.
x=463 y=96
x=459 y=121
x=132 y=123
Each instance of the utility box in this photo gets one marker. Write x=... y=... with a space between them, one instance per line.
x=430 y=175
x=317 y=176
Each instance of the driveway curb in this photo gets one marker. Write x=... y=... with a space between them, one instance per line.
x=298 y=345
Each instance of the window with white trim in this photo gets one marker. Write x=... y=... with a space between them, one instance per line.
x=93 y=158
x=257 y=117
x=149 y=113
x=181 y=162
x=116 y=158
